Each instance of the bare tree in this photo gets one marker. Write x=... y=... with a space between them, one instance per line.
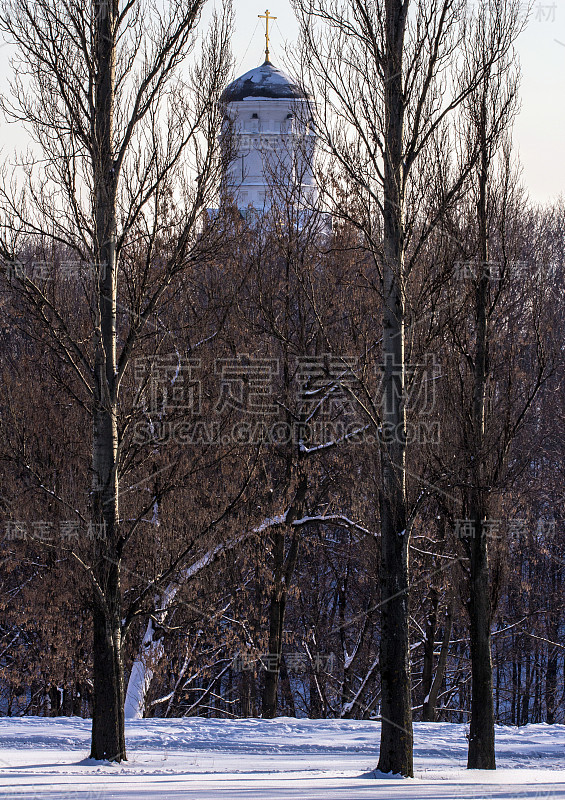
x=490 y=109
x=119 y=135
x=491 y=410
x=388 y=77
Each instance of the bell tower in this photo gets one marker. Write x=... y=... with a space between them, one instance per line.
x=274 y=139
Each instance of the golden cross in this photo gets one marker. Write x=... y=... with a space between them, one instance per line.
x=266 y=16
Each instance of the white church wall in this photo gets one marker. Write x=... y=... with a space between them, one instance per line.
x=268 y=143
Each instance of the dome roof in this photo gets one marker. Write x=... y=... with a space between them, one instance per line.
x=266 y=82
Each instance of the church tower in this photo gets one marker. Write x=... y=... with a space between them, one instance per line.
x=273 y=138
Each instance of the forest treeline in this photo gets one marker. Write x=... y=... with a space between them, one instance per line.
x=252 y=447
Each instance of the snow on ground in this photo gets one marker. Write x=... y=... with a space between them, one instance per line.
x=282 y=759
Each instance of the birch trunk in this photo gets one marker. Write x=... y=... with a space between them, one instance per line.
x=141 y=674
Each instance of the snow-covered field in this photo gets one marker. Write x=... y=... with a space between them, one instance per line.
x=270 y=760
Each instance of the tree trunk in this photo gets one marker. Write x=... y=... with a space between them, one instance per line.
x=283 y=570
x=141 y=675
x=315 y=710
x=108 y=737
x=288 y=698
x=55 y=704
x=552 y=663
x=551 y=686
x=396 y=709
x=527 y=690
x=78 y=701
x=429 y=649
x=429 y=709
x=276 y=623
x=481 y=737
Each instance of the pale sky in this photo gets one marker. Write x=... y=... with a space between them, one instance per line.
x=539 y=133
